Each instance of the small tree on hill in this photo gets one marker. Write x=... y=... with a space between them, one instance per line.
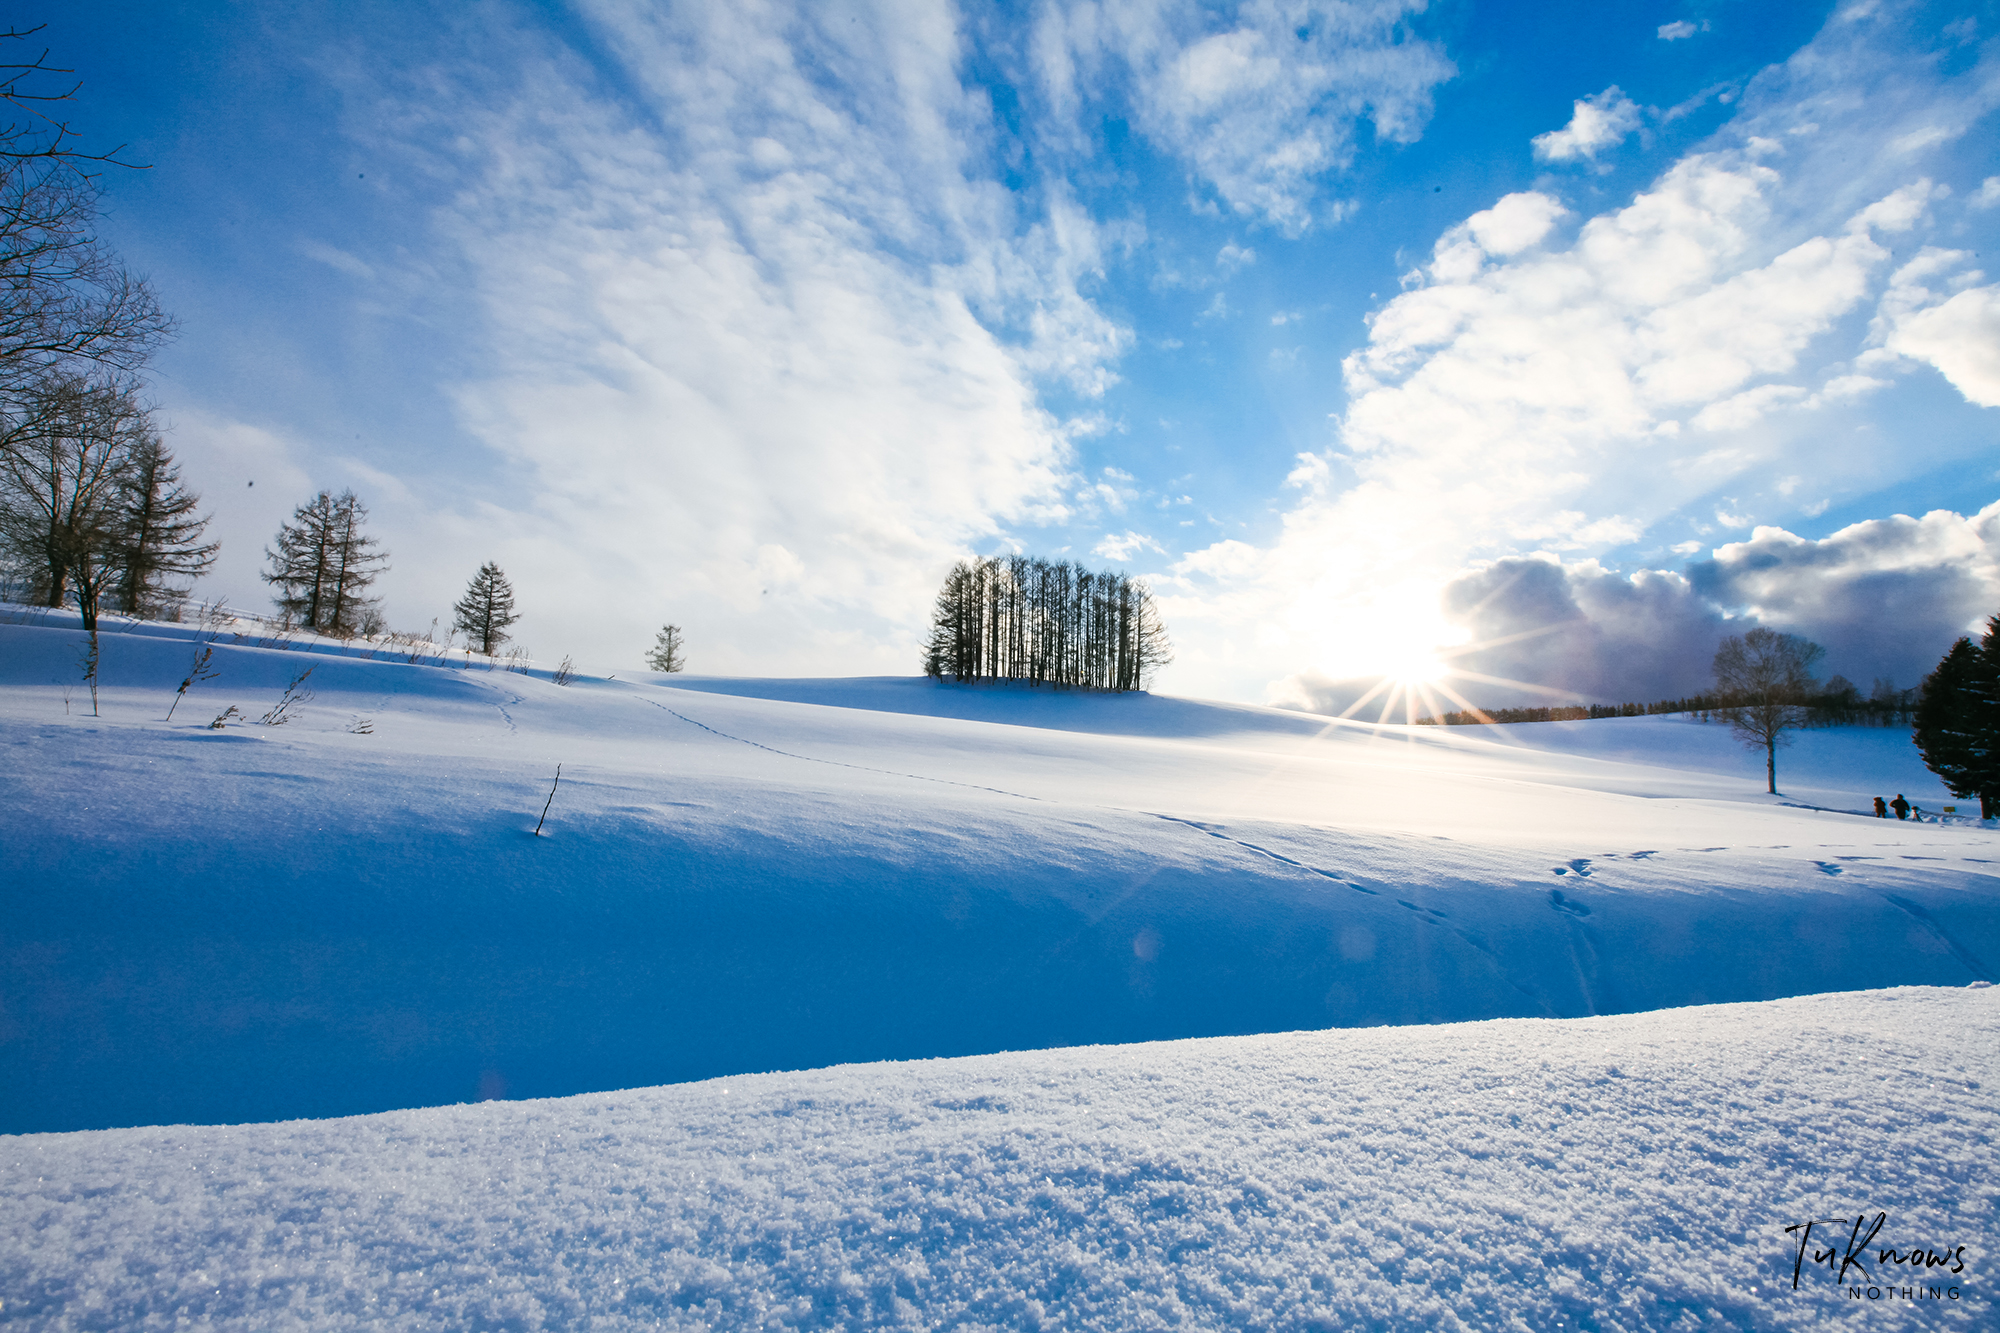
x=486 y=610
x=1957 y=726
x=1767 y=678
x=323 y=563
x=159 y=549
x=666 y=654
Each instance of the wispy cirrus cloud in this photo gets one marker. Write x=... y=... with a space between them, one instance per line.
x=1260 y=101
x=761 y=333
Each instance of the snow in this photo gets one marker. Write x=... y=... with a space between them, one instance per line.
x=1632 y=1172
x=265 y=923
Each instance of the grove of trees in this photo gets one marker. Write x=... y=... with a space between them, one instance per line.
x=1957 y=726
x=1045 y=622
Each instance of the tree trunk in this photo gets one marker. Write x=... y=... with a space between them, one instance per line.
x=1771 y=765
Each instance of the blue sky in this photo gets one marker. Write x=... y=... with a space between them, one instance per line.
x=1561 y=338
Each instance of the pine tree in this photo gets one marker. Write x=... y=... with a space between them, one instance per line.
x=666 y=653
x=1957 y=723
x=323 y=564
x=159 y=530
x=486 y=610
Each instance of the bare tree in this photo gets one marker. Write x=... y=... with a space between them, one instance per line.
x=62 y=477
x=322 y=563
x=64 y=297
x=1767 y=677
x=159 y=550
x=486 y=610
x=667 y=652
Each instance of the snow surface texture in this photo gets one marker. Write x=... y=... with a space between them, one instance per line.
x=267 y=922
x=1632 y=1172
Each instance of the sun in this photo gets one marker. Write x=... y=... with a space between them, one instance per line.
x=1415 y=668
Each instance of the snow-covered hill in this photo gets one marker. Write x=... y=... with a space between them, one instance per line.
x=272 y=921
x=350 y=913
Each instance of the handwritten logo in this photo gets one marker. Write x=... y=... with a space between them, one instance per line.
x=1893 y=1265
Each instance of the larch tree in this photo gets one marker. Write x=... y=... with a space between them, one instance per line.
x=668 y=650
x=159 y=550
x=486 y=610
x=1957 y=723
x=322 y=564
x=1045 y=622
x=1767 y=678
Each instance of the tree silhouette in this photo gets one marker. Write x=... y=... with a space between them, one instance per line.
x=486 y=610
x=1045 y=622
x=1768 y=677
x=1957 y=725
x=66 y=303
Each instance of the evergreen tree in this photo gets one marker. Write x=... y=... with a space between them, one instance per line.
x=486 y=610
x=159 y=531
x=323 y=563
x=1957 y=724
x=667 y=654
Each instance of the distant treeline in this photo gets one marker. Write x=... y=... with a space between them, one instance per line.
x=1045 y=622
x=1839 y=704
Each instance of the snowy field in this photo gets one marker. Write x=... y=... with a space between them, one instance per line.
x=1610 y=1173
x=349 y=914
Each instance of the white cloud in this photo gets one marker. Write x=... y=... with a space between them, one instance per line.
x=1597 y=123
x=337 y=259
x=1988 y=193
x=1843 y=387
x=1886 y=598
x=1260 y=100
x=1746 y=408
x=1233 y=256
x=1122 y=547
x=1958 y=334
x=1961 y=337
x=1678 y=29
x=1535 y=399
